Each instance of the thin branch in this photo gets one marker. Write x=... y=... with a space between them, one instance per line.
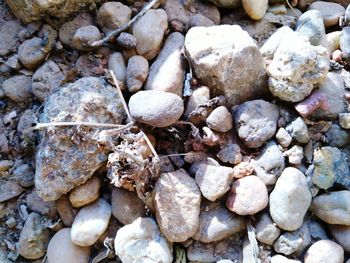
x=150 y=145
x=291 y=7
x=124 y=27
x=39 y=126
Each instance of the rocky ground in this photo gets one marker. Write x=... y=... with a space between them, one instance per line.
x=174 y=131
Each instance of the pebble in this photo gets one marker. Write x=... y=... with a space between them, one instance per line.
x=230 y=153
x=242 y=169
x=90 y=223
x=344 y=43
x=220 y=120
x=61 y=246
x=149 y=31
x=333 y=207
x=31 y=53
x=295 y=154
x=112 y=15
x=9 y=189
x=9 y=36
x=324 y=251
x=331 y=12
x=344 y=120
x=255 y=9
x=226 y=3
x=85 y=193
x=126 y=206
x=298 y=130
x=36 y=204
x=266 y=230
x=84 y=36
x=341 y=235
x=126 y=40
x=333 y=40
x=256 y=122
x=287 y=243
x=34 y=237
x=316 y=230
x=290 y=199
x=199 y=96
x=5 y=165
x=156 y=108
x=116 y=63
x=282 y=259
x=13 y=62
x=310 y=24
x=142 y=236
x=248 y=196
x=199 y=20
x=17 y=88
x=66 y=211
x=177 y=202
x=167 y=72
x=283 y=137
x=136 y=73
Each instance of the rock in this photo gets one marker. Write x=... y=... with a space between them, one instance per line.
x=283 y=137
x=298 y=130
x=68 y=29
x=90 y=223
x=218 y=54
x=84 y=36
x=213 y=181
x=226 y=3
x=143 y=236
x=177 y=201
x=331 y=12
x=88 y=99
x=149 y=31
x=344 y=120
x=126 y=40
x=344 y=43
x=199 y=96
x=156 y=108
x=287 y=243
x=255 y=9
x=265 y=230
x=5 y=165
x=290 y=199
x=18 y=88
x=116 y=63
x=9 y=189
x=292 y=72
x=23 y=174
x=248 y=196
x=295 y=154
x=220 y=120
x=324 y=251
x=66 y=211
x=34 y=237
x=333 y=40
x=46 y=79
x=230 y=153
x=85 y=193
x=330 y=166
x=256 y=122
x=31 y=53
x=217 y=223
x=61 y=245
x=316 y=230
x=36 y=204
x=13 y=62
x=9 y=37
x=126 y=206
x=167 y=72
x=341 y=235
x=336 y=136
x=310 y=24
x=282 y=259
x=333 y=208
x=199 y=20
x=136 y=73
x=112 y=15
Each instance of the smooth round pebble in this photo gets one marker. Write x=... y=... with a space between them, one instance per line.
x=265 y=229
x=86 y=193
x=220 y=119
x=136 y=73
x=112 y=15
x=255 y=9
x=324 y=251
x=282 y=259
x=31 y=53
x=84 y=36
x=331 y=12
x=341 y=235
x=17 y=88
x=116 y=63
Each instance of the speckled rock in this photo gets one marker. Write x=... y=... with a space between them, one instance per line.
x=177 y=201
x=230 y=153
x=287 y=243
x=143 y=236
x=156 y=108
x=255 y=9
x=331 y=12
x=126 y=40
x=324 y=251
x=31 y=53
x=310 y=24
x=344 y=43
x=344 y=120
x=18 y=88
x=84 y=36
x=112 y=15
x=62 y=164
x=290 y=199
x=341 y=235
x=85 y=193
x=298 y=130
x=265 y=230
x=9 y=36
x=336 y=136
x=136 y=73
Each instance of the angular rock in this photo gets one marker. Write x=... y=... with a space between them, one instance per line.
x=31 y=53
x=85 y=193
x=324 y=251
x=36 y=204
x=265 y=230
x=298 y=130
x=310 y=24
x=9 y=189
x=17 y=88
x=331 y=12
x=112 y=15
x=61 y=163
x=136 y=73
x=336 y=136
x=287 y=243
x=177 y=201
x=219 y=54
x=295 y=154
x=283 y=137
x=9 y=37
x=230 y=153
x=126 y=40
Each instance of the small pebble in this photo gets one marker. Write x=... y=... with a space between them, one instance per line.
x=324 y=251
x=220 y=120
x=310 y=24
x=344 y=120
x=112 y=15
x=18 y=88
x=283 y=137
x=116 y=63
x=331 y=12
x=65 y=210
x=298 y=130
x=266 y=230
x=136 y=73
x=255 y=9
x=344 y=43
x=86 y=193
x=126 y=40
x=31 y=53
x=85 y=36
x=295 y=154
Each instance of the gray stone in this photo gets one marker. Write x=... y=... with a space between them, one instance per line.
x=310 y=24
x=18 y=88
x=265 y=230
x=136 y=73
x=295 y=154
x=126 y=40
x=199 y=20
x=112 y=15
x=331 y=12
x=344 y=43
x=116 y=63
x=287 y=244
x=230 y=153
x=9 y=37
x=298 y=130
x=341 y=235
x=282 y=259
x=227 y=3
x=84 y=36
x=9 y=189
x=31 y=53
x=36 y=204
x=336 y=136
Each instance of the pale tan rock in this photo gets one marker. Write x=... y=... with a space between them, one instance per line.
x=112 y=15
x=86 y=193
x=65 y=210
x=324 y=251
x=220 y=119
x=255 y=9
x=84 y=36
x=136 y=73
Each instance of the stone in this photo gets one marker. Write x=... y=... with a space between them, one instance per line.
x=255 y=9
x=266 y=230
x=295 y=154
x=298 y=130
x=31 y=53
x=62 y=164
x=330 y=166
x=331 y=12
x=317 y=231
x=90 y=223
x=230 y=153
x=282 y=259
x=126 y=40
x=34 y=237
x=200 y=20
x=199 y=96
x=167 y=72
x=287 y=243
x=126 y=206
x=324 y=251
x=310 y=24
x=177 y=202
x=283 y=137
x=290 y=199
x=341 y=234
x=62 y=245
x=344 y=43
x=226 y=3
x=344 y=120
x=116 y=63
x=143 y=236
x=220 y=119
x=9 y=37
x=333 y=207
x=36 y=204
x=218 y=54
x=136 y=73
x=112 y=15
x=333 y=40
x=217 y=223
x=156 y=108
x=149 y=31
x=84 y=36
x=85 y=193
x=213 y=181
x=13 y=62
x=248 y=196
x=336 y=136
x=5 y=165
x=9 y=189
x=46 y=79
x=297 y=68
x=66 y=211
x=17 y=88
x=256 y=122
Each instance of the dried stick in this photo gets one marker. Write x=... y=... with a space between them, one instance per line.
x=125 y=26
x=39 y=126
